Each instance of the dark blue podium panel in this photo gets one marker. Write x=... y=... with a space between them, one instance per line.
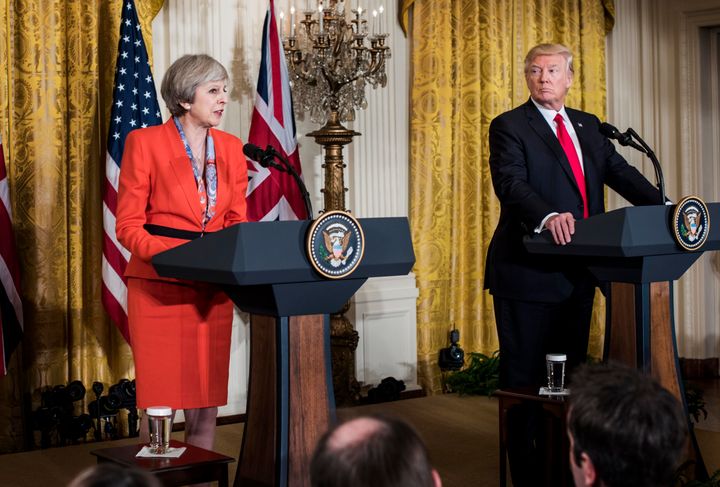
x=294 y=299
x=264 y=268
x=633 y=244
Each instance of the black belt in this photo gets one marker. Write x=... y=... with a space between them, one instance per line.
x=173 y=232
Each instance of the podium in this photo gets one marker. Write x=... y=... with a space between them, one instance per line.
x=264 y=269
x=634 y=251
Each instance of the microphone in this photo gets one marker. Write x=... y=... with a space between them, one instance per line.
x=253 y=152
x=266 y=158
x=262 y=157
x=625 y=139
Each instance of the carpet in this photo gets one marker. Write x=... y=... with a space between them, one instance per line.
x=461 y=434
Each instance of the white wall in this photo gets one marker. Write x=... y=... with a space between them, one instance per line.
x=663 y=72
x=377 y=173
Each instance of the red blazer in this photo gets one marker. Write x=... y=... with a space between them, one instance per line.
x=157 y=186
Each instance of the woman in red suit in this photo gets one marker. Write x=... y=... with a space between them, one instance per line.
x=178 y=181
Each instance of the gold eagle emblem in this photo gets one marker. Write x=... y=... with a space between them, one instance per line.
x=693 y=222
x=336 y=244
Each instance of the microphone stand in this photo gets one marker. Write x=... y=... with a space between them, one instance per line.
x=656 y=164
x=298 y=180
x=267 y=161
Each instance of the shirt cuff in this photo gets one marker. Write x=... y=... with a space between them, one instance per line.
x=541 y=227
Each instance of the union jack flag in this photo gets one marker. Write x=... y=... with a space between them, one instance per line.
x=273 y=195
x=134 y=106
x=11 y=312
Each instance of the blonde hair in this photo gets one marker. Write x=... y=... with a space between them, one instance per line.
x=549 y=50
x=184 y=76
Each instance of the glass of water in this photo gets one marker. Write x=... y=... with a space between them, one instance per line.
x=160 y=422
x=556 y=371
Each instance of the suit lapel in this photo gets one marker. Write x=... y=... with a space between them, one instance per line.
x=180 y=165
x=543 y=130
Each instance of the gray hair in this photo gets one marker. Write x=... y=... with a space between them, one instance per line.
x=549 y=50
x=184 y=76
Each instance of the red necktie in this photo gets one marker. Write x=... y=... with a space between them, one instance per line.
x=569 y=148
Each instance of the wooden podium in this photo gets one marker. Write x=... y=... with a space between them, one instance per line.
x=264 y=269
x=634 y=251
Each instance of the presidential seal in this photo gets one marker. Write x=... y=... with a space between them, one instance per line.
x=691 y=223
x=335 y=244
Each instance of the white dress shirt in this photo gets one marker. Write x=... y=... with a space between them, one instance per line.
x=549 y=116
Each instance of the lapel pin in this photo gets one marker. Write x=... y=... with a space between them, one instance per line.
x=579 y=124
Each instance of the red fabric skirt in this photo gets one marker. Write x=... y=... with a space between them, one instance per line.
x=180 y=337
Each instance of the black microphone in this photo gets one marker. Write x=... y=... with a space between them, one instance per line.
x=625 y=139
x=262 y=157
x=253 y=152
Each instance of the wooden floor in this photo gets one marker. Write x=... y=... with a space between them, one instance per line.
x=461 y=434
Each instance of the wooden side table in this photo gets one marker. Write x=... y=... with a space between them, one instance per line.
x=555 y=407
x=193 y=466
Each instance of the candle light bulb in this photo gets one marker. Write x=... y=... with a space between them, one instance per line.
x=381 y=9
x=292 y=21
x=374 y=22
x=320 y=15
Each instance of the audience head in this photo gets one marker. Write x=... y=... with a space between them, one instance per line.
x=625 y=429
x=372 y=451
x=112 y=475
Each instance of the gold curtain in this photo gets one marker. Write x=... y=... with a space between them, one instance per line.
x=55 y=97
x=467 y=68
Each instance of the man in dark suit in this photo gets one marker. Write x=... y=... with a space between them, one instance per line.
x=549 y=165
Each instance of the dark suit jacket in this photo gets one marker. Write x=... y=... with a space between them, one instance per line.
x=532 y=178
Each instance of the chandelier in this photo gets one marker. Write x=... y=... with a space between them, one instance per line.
x=332 y=55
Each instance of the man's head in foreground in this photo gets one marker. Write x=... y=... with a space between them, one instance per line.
x=625 y=429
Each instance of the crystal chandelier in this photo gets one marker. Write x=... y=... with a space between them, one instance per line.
x=332 y=54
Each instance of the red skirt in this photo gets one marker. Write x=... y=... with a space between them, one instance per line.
x=180 y=338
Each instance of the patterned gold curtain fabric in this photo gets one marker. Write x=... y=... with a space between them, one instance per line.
x=404 y=14
x=55 y=95
x=467 y=58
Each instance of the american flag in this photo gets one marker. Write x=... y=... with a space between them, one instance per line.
x=273 y=195
x=134 y=105
x=11 y=313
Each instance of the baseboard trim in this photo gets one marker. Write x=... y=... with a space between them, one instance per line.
x=242 y=418
x=232 y=419
x=406 y=394
x=705 y=368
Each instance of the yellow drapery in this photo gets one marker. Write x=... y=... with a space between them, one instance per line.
x=467 y=68
x=55 y=96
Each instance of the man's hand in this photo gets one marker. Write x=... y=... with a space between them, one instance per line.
x=561 y=226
